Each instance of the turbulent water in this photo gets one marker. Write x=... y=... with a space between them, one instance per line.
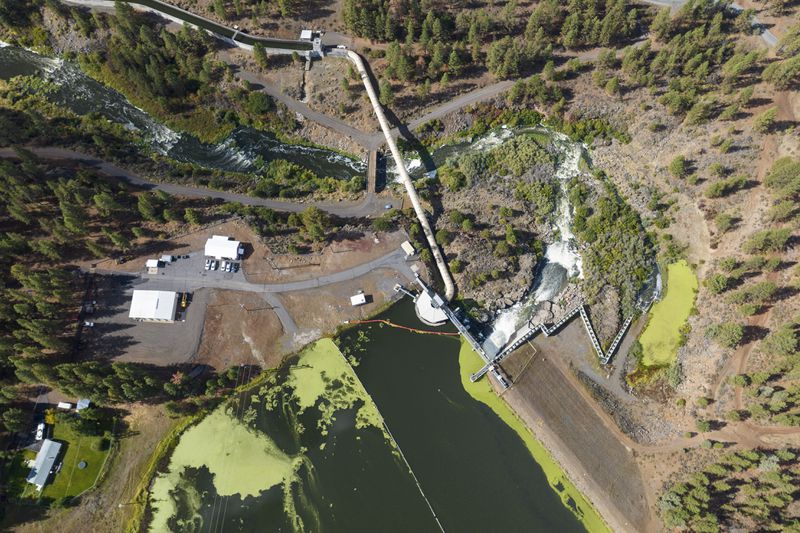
x=562 y=259
x=83 y=95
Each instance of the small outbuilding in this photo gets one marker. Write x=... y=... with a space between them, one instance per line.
x=306 y=35
x=358 y=299
x=64 y=405
x=221 y=247
x=154 y=306
x=408 y=248
x=152 y=266
x=44 y=462
x=82 y=404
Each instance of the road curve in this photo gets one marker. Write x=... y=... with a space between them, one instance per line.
x=370 y=206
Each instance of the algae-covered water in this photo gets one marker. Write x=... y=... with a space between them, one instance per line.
x=474 y=459
x=308 y=449
x=305 y=451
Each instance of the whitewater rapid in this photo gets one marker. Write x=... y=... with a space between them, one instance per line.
x=562 y=259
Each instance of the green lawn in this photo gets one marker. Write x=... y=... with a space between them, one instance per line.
x=71 y=480
x=661 y=339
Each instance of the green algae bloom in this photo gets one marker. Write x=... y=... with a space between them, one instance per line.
x=320 y=379
x=469 y=362
x=662 y=337
x=322 y=373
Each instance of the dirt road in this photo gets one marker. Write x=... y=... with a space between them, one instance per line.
x=370 y=206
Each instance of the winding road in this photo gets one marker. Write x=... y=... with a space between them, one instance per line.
x=370 y=206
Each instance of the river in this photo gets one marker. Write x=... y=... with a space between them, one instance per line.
x=83 y=95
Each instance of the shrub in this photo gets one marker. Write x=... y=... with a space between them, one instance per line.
x=679 y=167
x=727 y=334
x=717 y=283
x=703 y=426
x=767 y=241
x=764 y=122
x=724 y=222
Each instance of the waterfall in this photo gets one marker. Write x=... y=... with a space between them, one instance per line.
x=562 y=259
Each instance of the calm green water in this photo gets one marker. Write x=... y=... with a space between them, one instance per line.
x=301 y=453
x=474 y=469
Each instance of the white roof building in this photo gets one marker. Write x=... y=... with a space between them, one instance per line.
x=45 y=460
x=306 y=35
x=152 y=266
x=154 y=306
x=358 y=299
x=408 y=248
x=221 y=247
x=64 y=405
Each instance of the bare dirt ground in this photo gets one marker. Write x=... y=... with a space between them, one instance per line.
x=263 y=266
x=107 y=509
x=588 y=449
x=240 y=329
x=321 y=310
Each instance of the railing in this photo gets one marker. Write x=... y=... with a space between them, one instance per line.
x=529 y=330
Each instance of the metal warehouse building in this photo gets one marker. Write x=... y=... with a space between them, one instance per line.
x=154 y=306
x=221 y=247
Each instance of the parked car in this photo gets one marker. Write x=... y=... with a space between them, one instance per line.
x=208 y=264
x=214 y=264
x=88 y=323
x=40 y=431
x=236 y=267
x=228 y=267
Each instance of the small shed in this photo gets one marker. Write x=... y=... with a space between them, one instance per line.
x=306 y=35
x=64 y=405
x=82 y=404
x=358 y=299
x=152 y=266
x=408 y=248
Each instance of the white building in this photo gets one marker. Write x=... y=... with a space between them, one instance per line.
x=221 y=247
x=408 y=248
x=152 y=266
x=154 y=306
x=358 y=299
x=306 y=35
x=44 y=462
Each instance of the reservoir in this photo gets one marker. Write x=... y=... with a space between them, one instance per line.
x=307 y=449
x=474 y=469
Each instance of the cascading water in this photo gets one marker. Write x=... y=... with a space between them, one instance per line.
x=83 y=95
x=561 y=259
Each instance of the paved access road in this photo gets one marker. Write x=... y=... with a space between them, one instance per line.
x=370 y=206
x=189 y=275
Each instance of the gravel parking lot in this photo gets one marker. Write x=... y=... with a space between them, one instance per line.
x=115 y=336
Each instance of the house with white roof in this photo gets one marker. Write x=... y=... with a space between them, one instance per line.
x=154 y=306
x=45 y=460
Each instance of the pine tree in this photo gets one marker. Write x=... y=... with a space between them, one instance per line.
x=260 y=55
x=386 y=96
x=454 y=64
